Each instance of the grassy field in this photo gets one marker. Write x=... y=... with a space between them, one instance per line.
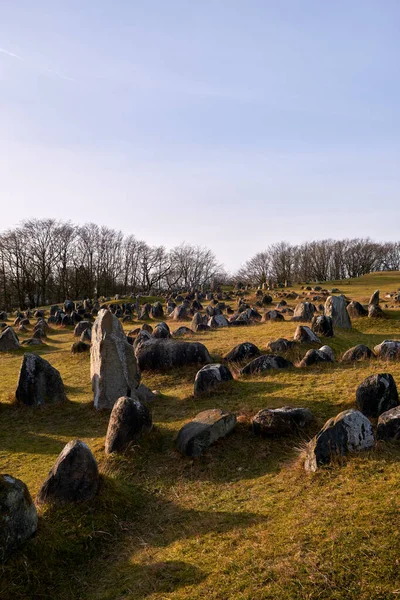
x=244 y=521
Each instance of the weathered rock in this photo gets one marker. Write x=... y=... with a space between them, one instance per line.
x=349 y=431
x=32 y=342
x=8 y=340
x=243 y=351
x=322 y=325
x=164 y=354
x=80 y=347
x=18 y=516
x=389 y=425
x=280 y=345
x=356 y=310
x=113 y=367
x=312 y=357
x=81 y=327
x=335 y=307
x=144 y=393
x=388 y=349
x=181 y=332
x=267 y=299
x=157 y=311
x=39 y=382
x=74 y=476
x=375 y=312
x=304 y=312
x=377 y=394
x=304 y=335
x=198 y=320
x=147 y=327
x=205 y=429
x=374 y=300
x=161 y=331
x=179 y=313
x=210 y=377
x=359 y=352
x=272 y=315
x=129 y=421
x=265 y=363
x=218 y=321
x=281 y=421
x=86 y=335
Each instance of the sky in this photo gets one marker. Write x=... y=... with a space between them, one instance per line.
x=222 y=123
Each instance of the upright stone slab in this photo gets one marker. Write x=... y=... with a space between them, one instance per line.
x=18 y=516
x=374 y=300
x=113 y=367
x=129 y=421
x=335 y=307
x=39 y=382
x=8 y=340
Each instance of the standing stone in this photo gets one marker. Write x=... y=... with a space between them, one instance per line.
x=374 y=300
x=375 y=312
x=305 y=335
x=205 y=429
x=304 y=312
x=129 y=420
x=113 y=367
x=335 y=307
x=356 y=310
x=39 y=382
x=18 y=516
x=349 y=431
x=74 y=476
x=210 y=377
x=377 y=394
x=8 y=340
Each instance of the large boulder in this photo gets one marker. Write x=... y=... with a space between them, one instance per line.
x=359 y=352
x=304 y=312
x=161 y=331
x=113 y=367
x=81 y=327
x=335 y=307
x=18 y=516
x=374 y=300
x=280 y=345
x=356 y=310
x=388 y=349
x=389 y=425
x=210 y=377
x=8 y=340
x=129 y=421
x=349 y=431
x=164 y=354
x=312 y=357
x=377 y=394
x=243 y=351
x=218 y=321
x=74 y=476
x=305 y=335
x=322 y=325
x=281 y=421
x=265 y=363
x=39 y=382
x=205 y=429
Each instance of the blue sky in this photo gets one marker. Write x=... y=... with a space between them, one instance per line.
x=228 y=124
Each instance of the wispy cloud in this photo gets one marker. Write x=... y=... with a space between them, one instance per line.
x=36 y=67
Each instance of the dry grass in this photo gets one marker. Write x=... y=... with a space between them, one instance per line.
x=244 y=521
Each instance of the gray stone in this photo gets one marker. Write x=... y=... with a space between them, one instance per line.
x=374 y=300
x=129 y=421
x=164 y=354
x=181 y=332
x=280 y=345
x=74 y=476
x=281 y=421
x=322 y=325
x=243 y=351
x=388 y=349
x=80 y=347
x=144 y=393
x=8 y=340
x=113 y=367
x=161 y=331
x=356 y=310
x=18 y=516
x=375 y=312
x=304 y=312
x=335 y=307
x=265 y=363
x=304 y=335
x=377 y=394
x=349 y=431
x=81 y=327
x=39 y=382
x=204 y=430
x=210 y=377
x=359 y=352
x=389 y=425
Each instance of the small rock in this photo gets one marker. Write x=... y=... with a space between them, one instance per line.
x=281 y=421
x=265 y=363
x=129 y=420
x=209 y=377
x=205 y=429
x=359 y=352
x=377 y=394
x=304 y=335
x=243 y=351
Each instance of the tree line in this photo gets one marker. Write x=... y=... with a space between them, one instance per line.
x=44 y=261
x=322 y=260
